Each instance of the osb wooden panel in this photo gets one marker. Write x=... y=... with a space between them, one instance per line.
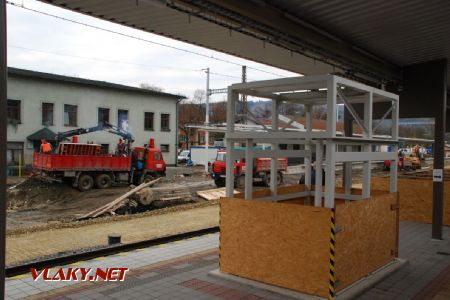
x=282 y=244
x=416 y=198
x=368 y=239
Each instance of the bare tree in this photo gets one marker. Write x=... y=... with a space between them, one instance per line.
x=218 y=115
x=199 y=97
x=218 y=112
x=191 y=112
x=151 y=87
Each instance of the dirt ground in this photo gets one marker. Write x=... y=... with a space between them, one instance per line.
x=35 y=203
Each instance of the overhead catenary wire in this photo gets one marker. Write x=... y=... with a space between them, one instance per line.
x=140 y=39
x=119 y=62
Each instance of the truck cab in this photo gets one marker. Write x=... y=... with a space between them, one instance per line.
x=261 y=170
x=148 y=162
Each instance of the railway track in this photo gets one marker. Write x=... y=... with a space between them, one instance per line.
x=15 y=270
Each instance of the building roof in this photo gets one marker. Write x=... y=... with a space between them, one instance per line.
x=88 y=82
x=43 y=133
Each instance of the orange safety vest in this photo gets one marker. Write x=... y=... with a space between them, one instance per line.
x=46 y=148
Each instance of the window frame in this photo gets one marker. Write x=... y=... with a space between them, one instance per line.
x=19 y=110
x=164 y=151
x=42 y=113
x=13 y=150
x=98 y=114
x=153 y=121
x=161 y=124
x=103 y=148
x=128 y=116
x=76 y=115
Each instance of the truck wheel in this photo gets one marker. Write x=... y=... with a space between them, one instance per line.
x=279 y=178
x=85 y=182
x=103 y=181
x=219 y=182
x=239 y=181
x=266 y=179
x=150 y=177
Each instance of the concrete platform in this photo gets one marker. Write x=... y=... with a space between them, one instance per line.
x=180 y=271
x=351 y=292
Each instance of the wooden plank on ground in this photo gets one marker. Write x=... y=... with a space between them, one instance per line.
x=213 y=194
x=113 y=204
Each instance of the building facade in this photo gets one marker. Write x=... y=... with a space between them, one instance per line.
x=42 y=104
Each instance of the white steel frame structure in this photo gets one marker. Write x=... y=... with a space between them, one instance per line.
x=329 y=148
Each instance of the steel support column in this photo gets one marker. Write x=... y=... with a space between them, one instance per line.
x=439 y=161
x=347 y=167
x=3 y=97
x=424 y=95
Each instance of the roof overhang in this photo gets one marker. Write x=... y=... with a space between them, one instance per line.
x=240 y=28
x=365 y=40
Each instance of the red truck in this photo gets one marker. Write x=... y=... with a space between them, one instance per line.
x=85 y=166
x=261 y=170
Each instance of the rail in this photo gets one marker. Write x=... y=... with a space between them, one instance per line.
x=109 y=250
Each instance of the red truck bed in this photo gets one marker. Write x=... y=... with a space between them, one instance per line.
x=263 y=164
x=56 y=162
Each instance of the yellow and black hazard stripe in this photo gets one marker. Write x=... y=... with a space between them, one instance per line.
x=332 y=279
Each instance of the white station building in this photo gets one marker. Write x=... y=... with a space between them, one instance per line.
x=41 y=104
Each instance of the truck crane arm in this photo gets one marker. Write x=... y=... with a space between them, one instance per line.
x=102 y=126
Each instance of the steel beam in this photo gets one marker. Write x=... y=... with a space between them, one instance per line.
x=330 y=173
x=268 y=20
x=248 y=170
x=318 y=189
x=428 y=82
x=347 y=167
x=3 y=100
x=275 y=146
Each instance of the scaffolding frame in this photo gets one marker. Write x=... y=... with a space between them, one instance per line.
x=329 y=90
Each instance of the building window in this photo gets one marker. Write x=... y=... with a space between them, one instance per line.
x=165 y=122
x=122 y=119
x=14 y=153
x=47 y=114
x=14 y=110
x=103 y=115
x=164 y=147
x=148 y=121
x=105 y=148
x=70 y=115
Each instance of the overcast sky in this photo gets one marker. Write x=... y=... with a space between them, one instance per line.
x=44 y=43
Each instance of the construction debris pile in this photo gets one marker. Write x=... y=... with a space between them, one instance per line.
x=146 y=197
x=33 y=193
x=33 y=202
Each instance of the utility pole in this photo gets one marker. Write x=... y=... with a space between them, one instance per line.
x=3 y=98
x=207 y=120
x=244 y=97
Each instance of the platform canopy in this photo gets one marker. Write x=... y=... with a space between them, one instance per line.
x=369 y=39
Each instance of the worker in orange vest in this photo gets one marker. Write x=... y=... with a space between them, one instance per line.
x=121 y=147
x=46 y=147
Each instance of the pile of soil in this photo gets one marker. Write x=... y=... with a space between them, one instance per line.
x=36 y=202
x=35 y=194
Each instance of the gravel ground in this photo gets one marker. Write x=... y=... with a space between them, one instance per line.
x=54 y=239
